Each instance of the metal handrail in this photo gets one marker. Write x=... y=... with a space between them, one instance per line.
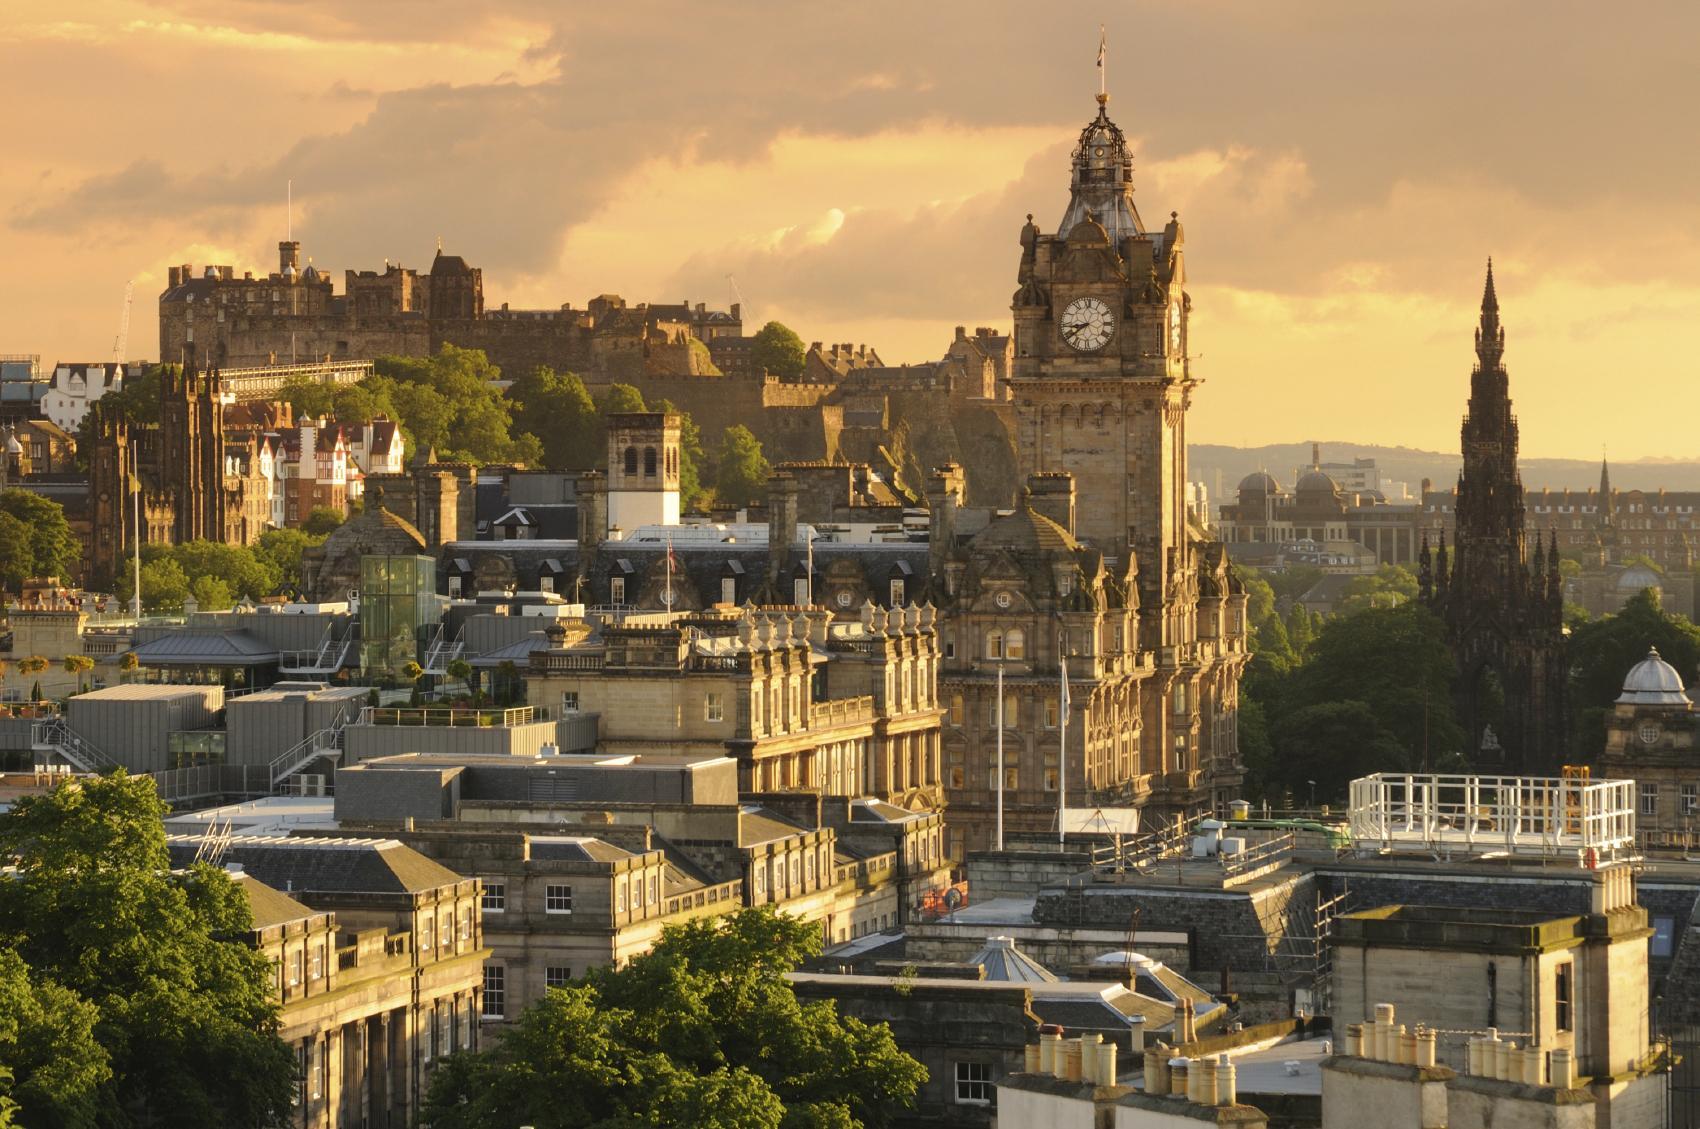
x=309 y=749
x=54 y=734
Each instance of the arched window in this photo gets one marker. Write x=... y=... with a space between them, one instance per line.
x=1015 y=644
x=649 y=462
x=994 y=644
x=631 y=460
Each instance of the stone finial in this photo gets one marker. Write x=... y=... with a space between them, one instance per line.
x=868 y=614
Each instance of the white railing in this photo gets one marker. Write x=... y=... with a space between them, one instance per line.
x=325 y=743
x=55 y=737
x=1525 y=815
x=328 y=659
x=441 y=652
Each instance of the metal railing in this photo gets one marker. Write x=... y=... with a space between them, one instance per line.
x=1271 y=852
x=327 y=659
x=1529 y=815
x=451 y=716
x=55 y=738
x=326 y=744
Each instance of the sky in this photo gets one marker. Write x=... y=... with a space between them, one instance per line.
x=861 y=172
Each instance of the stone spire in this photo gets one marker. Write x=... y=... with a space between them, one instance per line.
x=1608 y=502
x=1490 y=335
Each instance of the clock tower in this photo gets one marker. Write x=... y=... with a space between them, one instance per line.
x=1101 y=384
x=1100 y=379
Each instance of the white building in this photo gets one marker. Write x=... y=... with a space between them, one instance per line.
x=73 y=387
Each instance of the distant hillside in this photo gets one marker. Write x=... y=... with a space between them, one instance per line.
x=1221 y=467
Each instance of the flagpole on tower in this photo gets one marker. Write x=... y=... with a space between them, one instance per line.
x=1062 y=744
x=1103 y=71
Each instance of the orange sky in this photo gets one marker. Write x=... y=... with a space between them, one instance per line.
x=862 y=171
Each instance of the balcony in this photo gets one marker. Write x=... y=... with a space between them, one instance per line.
x=841 y=711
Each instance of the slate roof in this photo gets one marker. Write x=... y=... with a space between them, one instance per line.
x=759 y=825
x=270 y=907
x=1003 y=961
x=309 y=866
x=1025 y=530
x=577 y=848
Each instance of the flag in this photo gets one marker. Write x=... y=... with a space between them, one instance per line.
x=1063 y=663
x=1103 y=45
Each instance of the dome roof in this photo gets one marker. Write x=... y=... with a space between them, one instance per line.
x=1636 y=577
x=1316 y=482
x=13 y=447
x=1259 y=482
x=1653 y=682
x=1025 y=530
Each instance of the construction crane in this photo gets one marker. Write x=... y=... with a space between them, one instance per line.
x=736 y=293
x=122 y=341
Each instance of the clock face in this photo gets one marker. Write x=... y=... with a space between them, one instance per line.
x=1087 y=324
x=1003 y=599
x=843 y=598
x=1174 y=327
x=1649 y=733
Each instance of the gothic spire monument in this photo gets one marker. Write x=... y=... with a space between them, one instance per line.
x=1502 y=600
x=1102 y=383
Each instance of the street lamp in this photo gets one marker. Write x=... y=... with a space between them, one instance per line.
x=1312 y=784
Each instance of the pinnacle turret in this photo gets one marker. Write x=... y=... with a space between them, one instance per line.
x=1490 y=335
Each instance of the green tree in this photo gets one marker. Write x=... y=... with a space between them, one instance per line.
x=702 y=1030
x=742 y=469
x=77 y=666
x=54 y=551
x=620 y=398
x=17 y=552
x=1331 y=743
x=309 y=398
x=1387 y=587
x=1299 y=630
x=556 y=408
x=281 y=550
x=322 y=520
x=1603 y=650
x=51 y=1064
x=136 y=400
x=212 y=593
x=185 y=1006
x=241 y=570
x=778 y=350
x=452 y=402
x=164 y=583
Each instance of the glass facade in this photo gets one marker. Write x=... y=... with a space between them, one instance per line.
x=399 y=610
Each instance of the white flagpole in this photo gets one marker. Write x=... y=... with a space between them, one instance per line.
x=1103 y=68
x=136 y=541
x=1062 y=747
x=1000 y=755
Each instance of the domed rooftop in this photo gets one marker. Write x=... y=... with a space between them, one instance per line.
x=1025 y=531
x=1259 y=482
x=1316 y=482
x=1636 y=577
x=1653 y=682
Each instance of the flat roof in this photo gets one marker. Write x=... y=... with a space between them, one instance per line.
x=268 y=815
x=635 y=761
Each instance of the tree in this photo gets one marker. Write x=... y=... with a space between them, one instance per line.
x=778 y=350
x=77 y=666
x=1387 y=587
x=702 y=1030
x=212 y=593
x=1300 y=630
x=281 y=550
x=164 y=583
x=452 y=402
x=743 y=471
x=556 y=408
x=185 y=1010
x=54 y=551
x=1331 y=744
x=461 y=671
x=321 y=520
x=128 y=663
x=51 y=1063
x=17 y=552
x=619 y=398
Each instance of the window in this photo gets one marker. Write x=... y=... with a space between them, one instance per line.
x=994 y=644
x=1690 y=798
x=495 y=991
x=800 y=592
x=1011 y=711
x=1563 y=998
x=316 y=969
x=714 y=707
x=956 y=710
x=617 y=590
x=974 y=1083
x=956 y=776
x=1050 y=713
x=1649 y=799
x=546 y=584
x=454 y=587
x=465 y=924
x=728 y=590
x=558 y=899
x=631 y=460
x=569 y=701
x=897 y=593
x=761 y=879
x=429 y=1051
x=495 y=896
x=654 y=891
x=425 y=934
x=1015 y=644
x=557 y=976
x=649 y=462
x=620 y=896
x=1180 y=698
x=295 y=968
